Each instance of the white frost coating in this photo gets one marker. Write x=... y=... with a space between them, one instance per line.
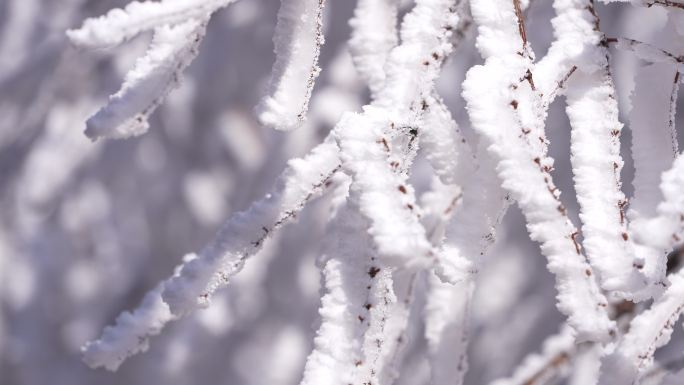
x=654 y=140
x=414 y=65
x=244 y=233
x=129 y=335
x=666 y=230
x=374 y=34
x=473 y=228
x=344 y=319
x=506 y=109
x=154 y=76
x=298 y=39
x=647 y=332
x=385 y=196
x=541 y=368
x=442 y=142
x=119 y=25
x=199 y=276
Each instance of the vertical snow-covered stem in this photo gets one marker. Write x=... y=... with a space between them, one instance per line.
x=506 y=108
x=469 y=234
x=647 y=332
x=298 y=39
x=654 y=140
x=447 y=315
x=596 y=161
x=374 y=34
x=344 y=316
x=579 y=61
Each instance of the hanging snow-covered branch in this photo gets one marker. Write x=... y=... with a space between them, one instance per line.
x=179 y=27
x=298 y=39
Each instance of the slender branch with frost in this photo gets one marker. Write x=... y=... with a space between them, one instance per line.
x=146 y=86
x=469 y=235
x=201 y=275
x=298 y=39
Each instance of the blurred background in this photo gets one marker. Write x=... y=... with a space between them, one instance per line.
x=87 y=228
